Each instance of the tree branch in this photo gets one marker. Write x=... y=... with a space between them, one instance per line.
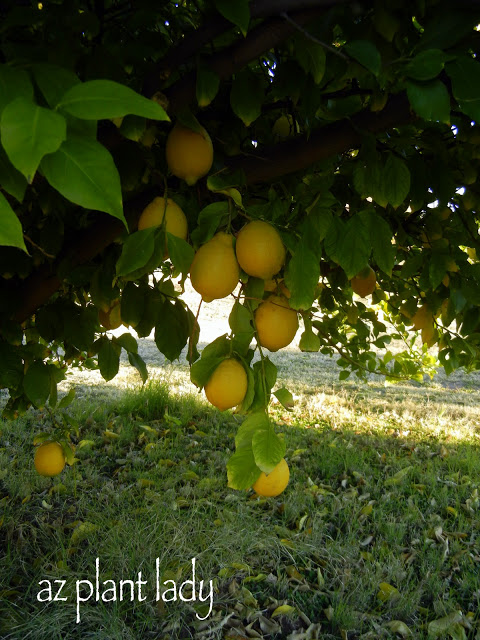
x=228 y=61
x=194 y=40
x=300 y=152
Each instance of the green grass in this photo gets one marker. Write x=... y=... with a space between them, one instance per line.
x=347 y=522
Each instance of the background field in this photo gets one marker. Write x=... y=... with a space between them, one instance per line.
x=384 y=491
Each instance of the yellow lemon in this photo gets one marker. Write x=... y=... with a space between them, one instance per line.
x=175 y=220
x=260 y=250
x=189 y=154
x=227 y=385
x=111 y=319
x=49 y=459
x=284 y=127
x=214 y=272
x=274 y=483
x=363 y=284
x=276 y=323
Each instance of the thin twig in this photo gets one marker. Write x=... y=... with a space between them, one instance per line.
x=34 y=244
x=308 y=35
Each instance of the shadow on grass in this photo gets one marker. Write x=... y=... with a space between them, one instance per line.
x=365 y=506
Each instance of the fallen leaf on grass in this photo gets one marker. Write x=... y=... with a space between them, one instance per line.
x=400 y=628
x=448 y=625
x=398 y=477
x=283 y=610
x=387 y=592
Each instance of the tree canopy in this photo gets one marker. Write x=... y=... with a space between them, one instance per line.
x=350 y=126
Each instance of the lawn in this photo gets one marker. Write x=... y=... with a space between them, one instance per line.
x=376 y=536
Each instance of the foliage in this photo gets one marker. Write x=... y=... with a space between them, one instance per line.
x=381 y=170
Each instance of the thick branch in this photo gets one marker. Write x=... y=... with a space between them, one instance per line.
x=194 y=40
x=43 y=283
x=225 y=63
x=301 y=152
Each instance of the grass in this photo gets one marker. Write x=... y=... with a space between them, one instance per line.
x=384 y=489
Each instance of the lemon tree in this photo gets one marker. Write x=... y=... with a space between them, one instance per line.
x=319 y=172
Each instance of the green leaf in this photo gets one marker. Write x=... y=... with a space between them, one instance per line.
x=396 y=177
x=11 y=370
x=11 y=232
x=353 y=249
x=237 y=12
x=445 y=625
x=100 y=99
x=246 y=96
x=426 y=65
x=311 y=57
x=201 y=370
x=309 y=341
x=180 y=252
x=127 y=342
x=366 y=53
x=14 y=83
x=465 y=77
x=171 y=330
x=36 y=383
x=381 y=238
x=28 y=133
x=208 y=221
x=132 y=304
x=247 y=401
x=136 y=251
x=257 y=421
x=137 y=361
x=83 y=171
x=368 y=180
x=268 y=448
x=207 y=85
x=439 y=263
x=67 y=399
x=242 y=472
x=240 y=321
x=53 y=81
x=301 y=277
x=430 y=100
x=109 y=358
x=285 y=398
x=11 y=180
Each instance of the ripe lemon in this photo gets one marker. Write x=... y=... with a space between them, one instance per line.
x=189 y=154
x=214 y=272
x=284 y=127
x=175 y=220
x=260 y=250
x=276 y=322
x=227 y=385
x=49 y=459
x=274 y=483
x=111 y=319
x=363 y=284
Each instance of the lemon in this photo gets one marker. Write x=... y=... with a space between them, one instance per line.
x=49 y=459
x=284 y=127
x=276 y=323
x=214 y=272
x=175 y=220
x=274 y=483
x=260 y=250
x=227 y=385
x=363 y=284
x=189 y=154
x=111 y=319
